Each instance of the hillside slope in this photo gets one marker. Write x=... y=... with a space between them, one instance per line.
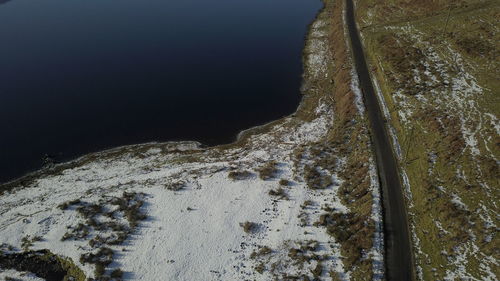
x=435 y=64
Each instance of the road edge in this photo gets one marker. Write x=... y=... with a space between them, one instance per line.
x=399 y=257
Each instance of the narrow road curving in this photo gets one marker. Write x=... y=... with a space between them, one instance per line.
x=398 y=255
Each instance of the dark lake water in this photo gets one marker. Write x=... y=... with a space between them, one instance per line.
x=79 y=76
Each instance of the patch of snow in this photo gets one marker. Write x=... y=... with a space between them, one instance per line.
x=458 y=202
x=406 y=186
x=377 y=253
x=318 y=55
x=357 y=91
x=440 y=227
x=380 y=97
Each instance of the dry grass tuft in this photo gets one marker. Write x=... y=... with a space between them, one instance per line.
x=249 y=227
x=268 y=171
x=239 y=175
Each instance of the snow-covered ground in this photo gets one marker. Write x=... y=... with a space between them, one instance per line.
x=193 y=233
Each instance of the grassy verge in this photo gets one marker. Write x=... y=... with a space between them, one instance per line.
x=349 y=139
x=436 y=66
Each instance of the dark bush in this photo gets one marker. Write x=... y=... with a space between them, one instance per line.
x=67 y=204
x=280 y=192
x=285 y=182
x=318 y=270
x=99 y=270
x=117 y=273
x=315 y=180
x=268 y=171
x=249 y=227
x=90 y=210
x=260 y=268
x=239 y=175
x=262 y=252
x=176 y=186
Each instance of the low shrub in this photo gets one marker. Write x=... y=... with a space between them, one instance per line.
x=315 y=180
x=133 y=214
x=306 y=204
x=249 y=227
x=117 y=273
x=79 y=232
x=27 y=241
x=318 y=270
x=280 y=192
x=103 y=256
x=268 y=171
x=285 y=182
x=176 y=185
x=239 y=175
x=67 y=204
x=260 y=268
x=99 y=270
x=89 y=210
x=117 y=239
x=261 y=252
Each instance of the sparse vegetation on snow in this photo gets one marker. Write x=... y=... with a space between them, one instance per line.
x=436 y=68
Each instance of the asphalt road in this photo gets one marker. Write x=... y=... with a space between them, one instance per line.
x=398 y=255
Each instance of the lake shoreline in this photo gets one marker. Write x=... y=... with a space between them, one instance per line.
x=239 y=140
x=189 y=76
x=309 y=176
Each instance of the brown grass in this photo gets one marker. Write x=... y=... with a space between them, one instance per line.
x=350 y=138
x=268 y=171
x=249 y=227
x=239 y=175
